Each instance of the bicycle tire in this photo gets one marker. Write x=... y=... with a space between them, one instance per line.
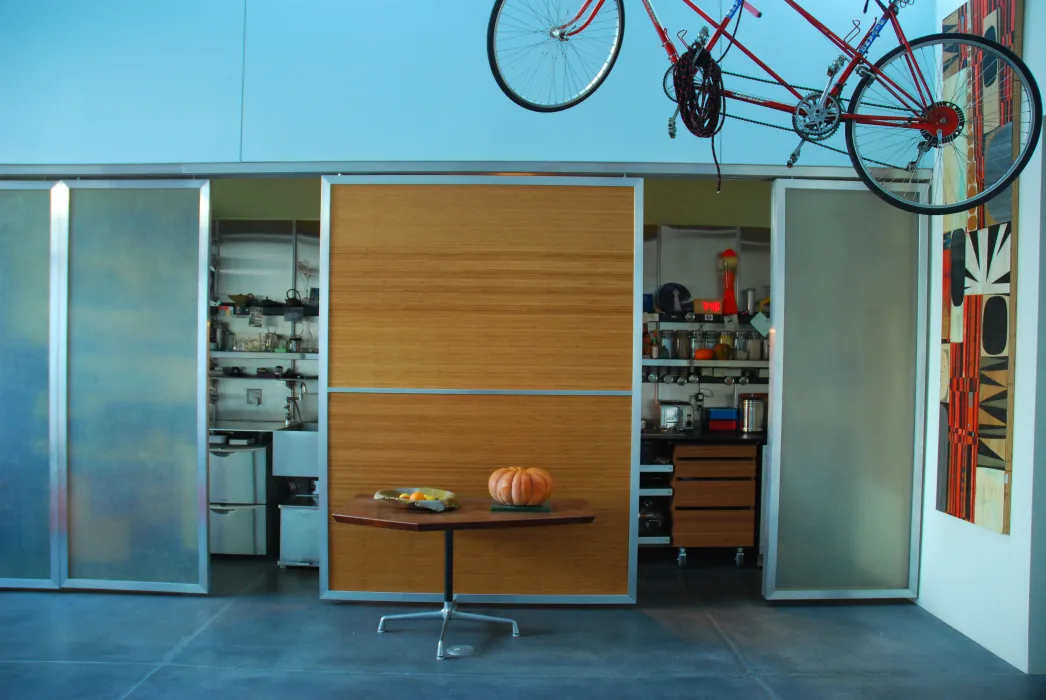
x=1021 y=162
x=495 y=70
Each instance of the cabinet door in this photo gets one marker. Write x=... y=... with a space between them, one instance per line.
x=238 y=530
x=28 y=488
x=847 y=394
x=237 y=475
x=134 y=396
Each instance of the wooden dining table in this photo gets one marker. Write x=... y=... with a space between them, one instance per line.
x=472 y=514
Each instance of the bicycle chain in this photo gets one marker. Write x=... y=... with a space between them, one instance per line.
x=791 y=130
x=844 y=100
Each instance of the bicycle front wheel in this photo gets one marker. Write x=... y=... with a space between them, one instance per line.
x=968 y=129
x=548 y=55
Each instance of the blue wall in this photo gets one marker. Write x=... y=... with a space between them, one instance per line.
x=117 y=81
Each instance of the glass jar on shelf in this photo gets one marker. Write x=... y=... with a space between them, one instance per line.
x=755 y=347
x=741 y=345
x=668 y=345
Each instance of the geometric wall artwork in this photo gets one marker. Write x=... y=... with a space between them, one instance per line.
x=979 y=296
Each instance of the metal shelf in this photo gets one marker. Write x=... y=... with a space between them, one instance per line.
x=655 y=468
x=732 y=364
x=267 y=377
x=225 y=355
x=656 y=492
x=651 y=541
x=701 y=325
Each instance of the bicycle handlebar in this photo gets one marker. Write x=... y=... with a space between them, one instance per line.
x=752 y=8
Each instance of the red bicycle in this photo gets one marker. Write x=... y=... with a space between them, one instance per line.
x=957 y=111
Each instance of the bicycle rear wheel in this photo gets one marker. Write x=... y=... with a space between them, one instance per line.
x=987 y=113
x=549 y=55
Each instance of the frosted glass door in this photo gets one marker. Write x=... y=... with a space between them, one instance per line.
x=136 y=348
x=847 y=394
x=25 y=445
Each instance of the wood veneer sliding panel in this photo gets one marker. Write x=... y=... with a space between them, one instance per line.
x=481 y=286
x=454 y=442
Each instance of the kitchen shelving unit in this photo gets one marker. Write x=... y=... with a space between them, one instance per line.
x=656 y=492
x=655 y=468
x=229 y=355
x=731 y=364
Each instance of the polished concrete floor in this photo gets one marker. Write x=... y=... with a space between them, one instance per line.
x=703 y=632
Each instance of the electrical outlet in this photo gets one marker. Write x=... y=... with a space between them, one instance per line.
x=254 y=397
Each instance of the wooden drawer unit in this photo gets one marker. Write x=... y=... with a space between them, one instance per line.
x=713 y=528
x=715 y=452
x=714 y=469
x=713 y=494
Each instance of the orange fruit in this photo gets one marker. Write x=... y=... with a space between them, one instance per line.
x=405 y=496
x=417 y=496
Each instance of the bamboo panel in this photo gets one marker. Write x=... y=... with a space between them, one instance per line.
x=454 y=442
x=481 y=286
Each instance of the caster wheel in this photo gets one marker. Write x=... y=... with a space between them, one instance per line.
x=739 y=558
x=681 y=558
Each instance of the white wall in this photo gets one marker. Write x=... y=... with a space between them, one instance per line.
x=975 y=580
x=1037 y=621
x=120 y=81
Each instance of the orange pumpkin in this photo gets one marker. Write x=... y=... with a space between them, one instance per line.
x=516 y=486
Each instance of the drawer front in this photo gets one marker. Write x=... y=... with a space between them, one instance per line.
x=296 y=453
x=300 y=534
x=714 y=452
x=714 y=469
x=237 y=530
x=713 y=528
x=713 y=494
x=236 y=476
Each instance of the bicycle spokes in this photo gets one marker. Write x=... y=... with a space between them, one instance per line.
x=550 y=54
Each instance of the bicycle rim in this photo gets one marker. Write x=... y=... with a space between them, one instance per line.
x=537 y=59
x=987 y=110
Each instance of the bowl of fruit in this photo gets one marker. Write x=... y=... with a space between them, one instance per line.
x=435 y=500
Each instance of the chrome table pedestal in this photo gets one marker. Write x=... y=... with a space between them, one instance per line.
x=450 y=608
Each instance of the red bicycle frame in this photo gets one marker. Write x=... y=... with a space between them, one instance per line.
x=918 y=106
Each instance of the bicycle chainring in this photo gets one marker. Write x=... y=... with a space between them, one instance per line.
x=813 y=123
x=669 y=82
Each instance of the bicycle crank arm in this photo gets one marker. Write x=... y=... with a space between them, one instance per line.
x=924 y=148
x=794 y=158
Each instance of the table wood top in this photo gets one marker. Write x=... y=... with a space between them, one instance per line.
x=474 y=514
